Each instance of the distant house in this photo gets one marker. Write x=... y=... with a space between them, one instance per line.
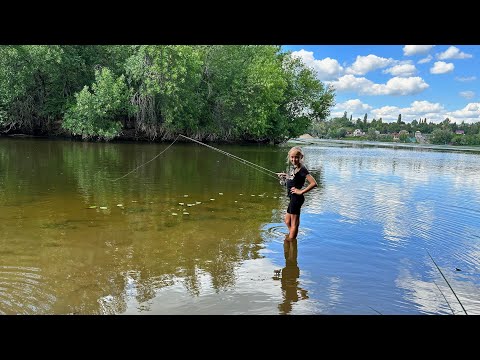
x=358 y=132
x=459 y=132
x=421 y=139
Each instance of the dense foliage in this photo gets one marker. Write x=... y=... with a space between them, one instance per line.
x=230 y=93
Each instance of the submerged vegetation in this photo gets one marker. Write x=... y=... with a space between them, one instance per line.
x=229 y=93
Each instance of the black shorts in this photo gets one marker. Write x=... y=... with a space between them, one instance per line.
x=296 y=202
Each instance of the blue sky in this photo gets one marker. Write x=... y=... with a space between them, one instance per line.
x=417 y=81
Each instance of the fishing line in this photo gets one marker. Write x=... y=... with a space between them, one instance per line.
x=138 y=167
x=243 y=161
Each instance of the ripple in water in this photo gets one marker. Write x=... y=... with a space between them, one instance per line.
x=21 y=291
x=275 y=232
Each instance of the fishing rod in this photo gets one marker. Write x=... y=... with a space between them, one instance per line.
x=243 y=161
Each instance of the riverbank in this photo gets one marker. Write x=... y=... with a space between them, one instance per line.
x=316 y=141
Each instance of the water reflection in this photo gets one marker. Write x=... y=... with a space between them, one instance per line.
x=289 y=275
x=184 y=234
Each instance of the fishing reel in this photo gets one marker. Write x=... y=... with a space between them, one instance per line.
x=283 y=179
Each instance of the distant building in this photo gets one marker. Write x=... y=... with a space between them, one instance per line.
x=421 y=139
x=358 y=132
x=459 y=132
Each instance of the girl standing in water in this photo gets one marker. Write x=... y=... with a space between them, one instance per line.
x=295 y=180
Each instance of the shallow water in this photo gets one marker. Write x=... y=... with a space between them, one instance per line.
x=363 y=247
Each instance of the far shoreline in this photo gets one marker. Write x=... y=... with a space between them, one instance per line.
x=317 y=141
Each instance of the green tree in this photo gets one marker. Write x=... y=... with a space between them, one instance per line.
x=441 y=136
x=95 y=113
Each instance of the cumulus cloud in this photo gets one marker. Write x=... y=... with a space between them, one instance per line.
x=352 y=106
x=405 y=86
x=467 y=94
x=327 y=69
x=409 y=50
x=394 y=86
x=433 y=112
x=441 y=67
x=464 y=79
x=424 y=107
x=470 y=113
x=453 y=53
x=402 y=70
x=387 y=113
x=425 y=59
x=365 y=64
x=416 y=110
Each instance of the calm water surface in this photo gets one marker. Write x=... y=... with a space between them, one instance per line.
x=196 y=232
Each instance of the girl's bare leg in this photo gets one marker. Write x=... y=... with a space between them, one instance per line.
x=294 y=224
x=288 y=223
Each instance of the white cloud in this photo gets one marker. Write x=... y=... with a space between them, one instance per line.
x=405 y=86
x=327 y=69
x=470 y=113
x=365 y=64
x=433 y=112
x=353 y=106
x=394 y=86
x=423 y=107
x=387 y=113
x=441 y=67
x=425 y=60
x=467 y=94
x=453 y=53
x=417 y=109
x=409 y=50
x=352 y=83
x=464 y=79
x=403 y=70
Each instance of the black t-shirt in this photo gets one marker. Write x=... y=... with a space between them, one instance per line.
x=298 y=179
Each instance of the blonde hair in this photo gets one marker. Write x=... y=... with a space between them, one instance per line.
x=298 y=150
